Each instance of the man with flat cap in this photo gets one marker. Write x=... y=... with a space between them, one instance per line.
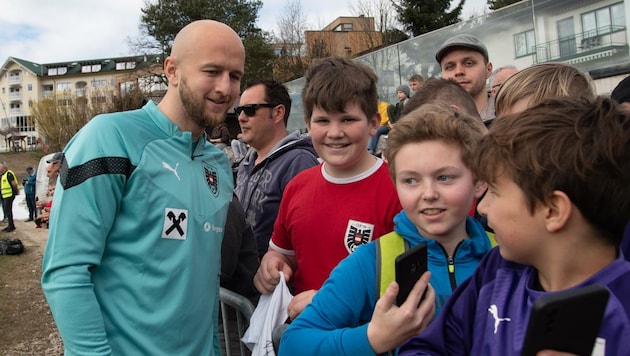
x=464 y=58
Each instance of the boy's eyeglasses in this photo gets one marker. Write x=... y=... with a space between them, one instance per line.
x=250 y=109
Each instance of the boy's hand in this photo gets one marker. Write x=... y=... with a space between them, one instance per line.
x=392 y=325
x=299 y=302
x=268 y=274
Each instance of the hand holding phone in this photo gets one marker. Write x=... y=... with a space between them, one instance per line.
x=567 y=321
x=410 y=266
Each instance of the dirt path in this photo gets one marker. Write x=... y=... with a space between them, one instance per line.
x=27 y=326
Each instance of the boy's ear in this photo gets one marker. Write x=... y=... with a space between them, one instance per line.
x=374 y=123
x=557 y=211
x=307 y=120
x=480 y=188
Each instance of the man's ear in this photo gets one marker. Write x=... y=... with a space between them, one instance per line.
x=558 y=211
x=170 y=70
x=278 y=114
x=489 y=72
x=480 y=188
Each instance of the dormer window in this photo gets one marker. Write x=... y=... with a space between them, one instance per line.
x=90 y=68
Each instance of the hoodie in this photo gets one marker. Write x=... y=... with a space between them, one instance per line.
x=259 y=187
x=465 y=259
x=336 y=321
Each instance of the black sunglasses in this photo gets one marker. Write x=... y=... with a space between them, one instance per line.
x=250 y=109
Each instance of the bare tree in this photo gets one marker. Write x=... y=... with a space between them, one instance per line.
x=61 y=116
x=292 y=24
x=383 y=13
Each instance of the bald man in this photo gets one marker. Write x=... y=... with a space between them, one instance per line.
x=131 y=265
x=499 y=76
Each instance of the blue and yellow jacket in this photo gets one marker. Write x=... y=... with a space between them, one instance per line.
x=336 y=321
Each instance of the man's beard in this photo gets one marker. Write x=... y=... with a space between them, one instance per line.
x=195 y=108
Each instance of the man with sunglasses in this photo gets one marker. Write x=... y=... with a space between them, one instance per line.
x=275 y=157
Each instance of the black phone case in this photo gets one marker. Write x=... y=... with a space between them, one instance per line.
x=566 y=321
x=410 y=266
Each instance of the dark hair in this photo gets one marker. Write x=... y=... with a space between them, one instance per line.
x=446 y=91
x=332 y=83
x=275 y=93
x=574 y=145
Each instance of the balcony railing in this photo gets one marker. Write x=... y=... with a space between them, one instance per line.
x=15 y=96
x=564 y=49
x=14 y=79
x=15 y=112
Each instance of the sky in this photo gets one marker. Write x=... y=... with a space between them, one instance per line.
x=45 y=31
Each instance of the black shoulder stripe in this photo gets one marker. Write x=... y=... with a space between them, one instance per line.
x=71 y=177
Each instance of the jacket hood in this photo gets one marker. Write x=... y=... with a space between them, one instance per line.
x=292 y=141
x=478 y=243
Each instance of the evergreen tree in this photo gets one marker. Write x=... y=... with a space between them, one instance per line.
x=422 y=16
x=163 y=19
x=497 y=4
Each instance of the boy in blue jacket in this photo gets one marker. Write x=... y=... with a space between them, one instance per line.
x=558 y=201
x=430 y=155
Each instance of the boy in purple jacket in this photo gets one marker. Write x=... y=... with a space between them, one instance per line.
x=558 y=202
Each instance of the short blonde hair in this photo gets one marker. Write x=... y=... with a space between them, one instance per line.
x=543 y=81
x=435 y=122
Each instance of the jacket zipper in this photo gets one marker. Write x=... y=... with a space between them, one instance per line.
x=450 y=260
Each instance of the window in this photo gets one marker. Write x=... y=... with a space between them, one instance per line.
x=603 y=21
x=64 y=102
x=29 y=87
x=347 y=27
x=125 y=65
x=64 y=87
x=57 y=71
x=101 y=83
x=99 y=99
x=89 y=68
x=524 y=43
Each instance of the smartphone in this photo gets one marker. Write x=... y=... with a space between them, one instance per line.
x=410 y=265
x=567 y=321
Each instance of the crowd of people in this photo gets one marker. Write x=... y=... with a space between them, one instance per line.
x=515 y=180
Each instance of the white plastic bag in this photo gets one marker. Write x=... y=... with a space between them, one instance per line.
x=270 y=313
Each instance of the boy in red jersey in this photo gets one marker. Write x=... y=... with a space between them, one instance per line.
x=348 y=200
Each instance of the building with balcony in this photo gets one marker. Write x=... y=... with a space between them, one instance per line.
x=589 y=34
x=344 y=37
x=23 y=83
